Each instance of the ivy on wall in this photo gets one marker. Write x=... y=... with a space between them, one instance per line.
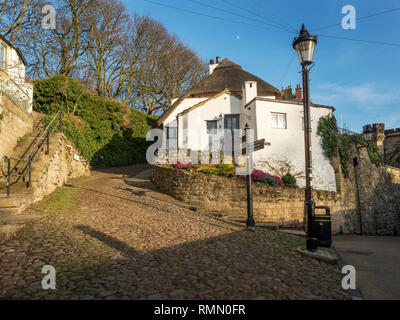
x=336 y=144
x=373 y=153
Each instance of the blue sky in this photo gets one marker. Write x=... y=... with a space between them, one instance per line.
x=361 y=80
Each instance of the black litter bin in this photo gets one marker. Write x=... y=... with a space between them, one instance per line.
x=323 y=227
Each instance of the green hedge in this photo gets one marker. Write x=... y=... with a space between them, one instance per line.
x=109 y=133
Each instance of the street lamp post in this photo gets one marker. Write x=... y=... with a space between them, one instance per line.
x=305 y=47
x=250 y=223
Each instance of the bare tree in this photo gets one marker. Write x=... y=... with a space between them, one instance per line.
x=107 y=56
x=16 y=16
x=59 y=50
x=281 y=166
x=166 y=67
x=96 y=41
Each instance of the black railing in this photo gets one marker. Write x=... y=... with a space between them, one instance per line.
x=32 y=153
x=79 y=144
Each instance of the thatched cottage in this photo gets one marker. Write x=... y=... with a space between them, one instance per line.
x=228 y=99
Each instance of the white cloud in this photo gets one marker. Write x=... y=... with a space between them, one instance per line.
x=366 y=96
x=361 y=104
x=368 y=93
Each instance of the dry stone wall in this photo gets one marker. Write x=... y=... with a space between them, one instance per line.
x=14 y=124
x=379 y=191
x=279 y=205
x=368 y=199
x=54 y=170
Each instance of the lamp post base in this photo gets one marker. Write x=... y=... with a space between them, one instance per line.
x=251 y=225
x=312 y=244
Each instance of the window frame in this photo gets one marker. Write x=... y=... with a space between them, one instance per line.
x=273 y=122
x=174 y=129
x=216 y=126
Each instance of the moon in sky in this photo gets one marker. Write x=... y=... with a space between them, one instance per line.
x=238 y=37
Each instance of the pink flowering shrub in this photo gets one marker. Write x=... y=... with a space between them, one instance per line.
x=181 y=165
x=261 y=176
x=258 y=175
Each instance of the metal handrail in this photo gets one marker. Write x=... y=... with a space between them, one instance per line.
x=15 y=83
x=44 y=132
x=32 y=155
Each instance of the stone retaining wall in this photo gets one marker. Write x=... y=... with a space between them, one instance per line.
x=279 y=205
x=394 y=174
x=368 y=198
x=14 y=124
x=379 y=197
x=54 y=170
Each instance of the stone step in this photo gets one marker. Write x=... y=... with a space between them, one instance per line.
x=10 y=212
x=17 y=220
x=16 y=188
x=15 y=200
x=9 y=226
x=8 y=231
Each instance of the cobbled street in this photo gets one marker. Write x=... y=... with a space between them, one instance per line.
x=114 y=236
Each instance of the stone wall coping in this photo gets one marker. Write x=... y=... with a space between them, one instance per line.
x=391 y=168
x=296 y=191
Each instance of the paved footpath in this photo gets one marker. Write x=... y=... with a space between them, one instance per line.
x=114 y=236
x=377 y=263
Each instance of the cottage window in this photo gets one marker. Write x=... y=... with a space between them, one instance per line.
x=172 y=137
x=2 y=56
x=172 y=133
x=212 y=127
x=279 y=121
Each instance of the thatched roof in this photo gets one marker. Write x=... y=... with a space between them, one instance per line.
x=228 y=75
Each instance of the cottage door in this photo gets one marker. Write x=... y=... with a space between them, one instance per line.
x=232 y=123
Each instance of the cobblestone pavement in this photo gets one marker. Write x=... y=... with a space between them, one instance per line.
x=112 y=236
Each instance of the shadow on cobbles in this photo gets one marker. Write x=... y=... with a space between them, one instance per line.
x=239 y=265
x=147 y=204
x=110 y=241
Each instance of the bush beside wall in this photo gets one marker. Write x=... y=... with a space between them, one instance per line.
x=107 y=132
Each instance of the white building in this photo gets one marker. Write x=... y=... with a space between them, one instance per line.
x=12 y=76
x=229 y=98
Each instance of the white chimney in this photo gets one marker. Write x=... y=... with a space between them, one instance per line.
x=249 y=91
x=213 y=65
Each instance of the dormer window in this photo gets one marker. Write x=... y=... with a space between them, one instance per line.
x=2 y=56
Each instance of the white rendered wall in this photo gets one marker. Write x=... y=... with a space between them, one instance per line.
x=185 y=104
x=197 y=136
x=249 y=91
x=212 y=67
x=288 y=144
x=15 y=67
